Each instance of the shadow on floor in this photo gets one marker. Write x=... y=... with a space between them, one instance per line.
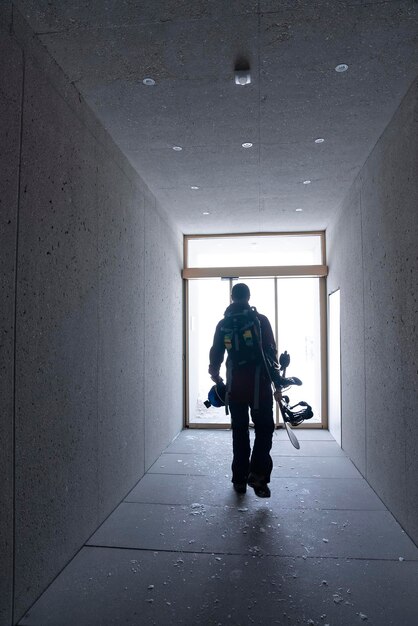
x=183 y=548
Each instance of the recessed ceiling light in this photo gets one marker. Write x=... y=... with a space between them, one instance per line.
x=177 y=148
x=319 y=140
x=194 y=187
x=247 y=144
x=242 y=77
x=342 y=67
x=307 y=182
x=299 y=210
x=206 y=213
x=149 y=81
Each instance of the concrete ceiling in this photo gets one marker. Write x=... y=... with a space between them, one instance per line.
x=189 y=47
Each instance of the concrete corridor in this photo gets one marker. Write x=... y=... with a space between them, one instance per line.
x=183 y=548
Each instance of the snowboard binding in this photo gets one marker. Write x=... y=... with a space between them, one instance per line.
x=303 y=409
x=290 y=417
x=295 y=417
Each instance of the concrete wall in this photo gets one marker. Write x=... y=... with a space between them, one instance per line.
x=10 y=110
x=373 y=258
x=94 y=268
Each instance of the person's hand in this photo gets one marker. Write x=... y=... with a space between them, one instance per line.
x=217 y=379
x=277 y=395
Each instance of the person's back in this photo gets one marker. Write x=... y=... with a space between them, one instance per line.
x=239 y=333
x=247 y=337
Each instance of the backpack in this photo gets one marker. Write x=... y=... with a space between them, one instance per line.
x=241 y=332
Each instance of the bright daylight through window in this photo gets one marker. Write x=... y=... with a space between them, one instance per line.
x=292 y=304
x=257 y=251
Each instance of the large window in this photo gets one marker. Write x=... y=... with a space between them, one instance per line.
x=261 y=250
x=290 y=295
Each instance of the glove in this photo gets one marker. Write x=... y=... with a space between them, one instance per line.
x=217 y=379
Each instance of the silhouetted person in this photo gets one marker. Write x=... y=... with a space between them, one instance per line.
x=248 y=338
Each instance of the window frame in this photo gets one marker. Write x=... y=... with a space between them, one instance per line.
x=302 y=271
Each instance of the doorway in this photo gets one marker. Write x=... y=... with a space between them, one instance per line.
x=292 y=297
x=334 y=360
x=293 y=307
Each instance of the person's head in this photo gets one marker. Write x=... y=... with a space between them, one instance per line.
x=240 y=293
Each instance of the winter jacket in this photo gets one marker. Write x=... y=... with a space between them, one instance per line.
x=243 y=377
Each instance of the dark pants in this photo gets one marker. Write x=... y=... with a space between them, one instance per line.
x=259 y=461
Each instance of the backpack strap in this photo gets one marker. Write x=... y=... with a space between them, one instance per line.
x=228 y=386
x=256 y=401
x=263 y=356
x=257 y=328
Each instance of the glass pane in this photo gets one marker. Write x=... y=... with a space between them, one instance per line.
x=299 y=334
x=208 y=300
x=255 y=251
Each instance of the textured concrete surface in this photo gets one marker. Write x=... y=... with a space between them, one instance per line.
x=344 y=250
x=103 y=584
x=190 y=440
x=81 y=310
x=121 y=410
x=190 y=49
x=389 y=198
x=359 y=534
x=193 y=552
x=287 y=491
x=207 y=465
x=11 y=74
x=163 y=345
x=378 y=231
x=57 y=340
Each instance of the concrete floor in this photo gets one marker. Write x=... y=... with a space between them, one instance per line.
x=183 y=548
